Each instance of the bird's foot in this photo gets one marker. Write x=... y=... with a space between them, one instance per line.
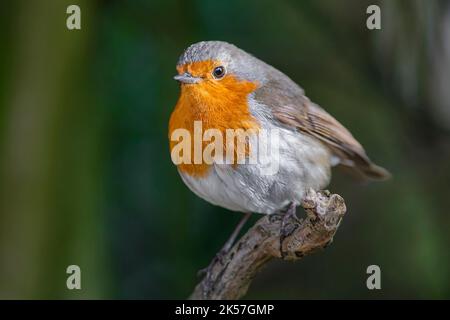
x=289 y=223
x=218 y=258
x=289 y=213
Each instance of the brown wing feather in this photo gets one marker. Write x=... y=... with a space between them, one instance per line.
x=313 y=120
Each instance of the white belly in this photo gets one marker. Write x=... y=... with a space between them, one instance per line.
x=303 y=163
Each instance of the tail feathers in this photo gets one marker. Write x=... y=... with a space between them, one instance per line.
x=364 y=170
x=375 y=172
x=360 y=166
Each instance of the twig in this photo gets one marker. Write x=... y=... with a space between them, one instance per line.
x=230 y=277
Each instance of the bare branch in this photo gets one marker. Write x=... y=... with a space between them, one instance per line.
x=231 y=277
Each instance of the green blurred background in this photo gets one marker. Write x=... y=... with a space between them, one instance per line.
x=86 y=175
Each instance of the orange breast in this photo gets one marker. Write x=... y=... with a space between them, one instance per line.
x=219 y=104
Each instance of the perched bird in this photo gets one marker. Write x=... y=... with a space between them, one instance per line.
x=224 y=87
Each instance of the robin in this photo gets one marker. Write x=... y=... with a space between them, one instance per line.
x=224 y=87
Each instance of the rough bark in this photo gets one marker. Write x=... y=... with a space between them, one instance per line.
x=230 y=277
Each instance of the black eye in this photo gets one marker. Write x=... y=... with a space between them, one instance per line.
x=218 y=72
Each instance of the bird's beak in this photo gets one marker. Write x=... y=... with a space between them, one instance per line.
x=186 y=78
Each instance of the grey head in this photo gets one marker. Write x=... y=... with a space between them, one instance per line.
x=235 y=60
x=239 y=63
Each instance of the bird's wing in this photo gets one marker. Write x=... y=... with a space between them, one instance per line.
x=296 y=110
